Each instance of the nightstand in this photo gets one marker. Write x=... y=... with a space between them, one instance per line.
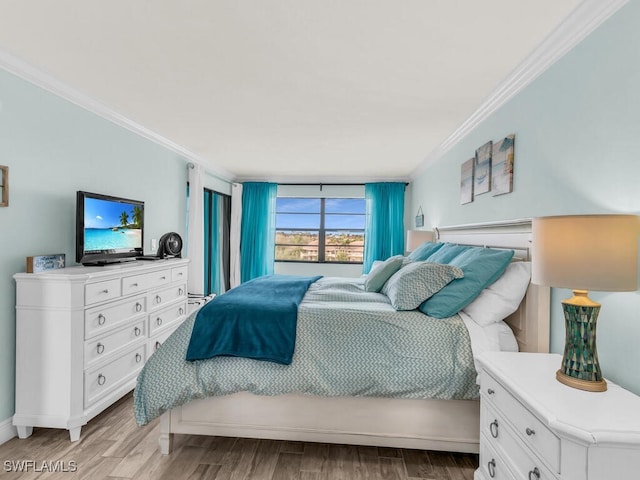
x=534 y=427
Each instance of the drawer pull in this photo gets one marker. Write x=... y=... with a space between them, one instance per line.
x=101 y=379
x=180 y=292
x=493 y=428
x=158 y=299
x=136 y=332
x=491 y=466
x=181 y=311
x=106 y=290
x=179 y=274
x=101 y=319
x=159 y=321
x=134 y=284
x=490 y=391
x=530 y=431
x=158 y=345
x=138 y=306
x=163 y=278
x=100 y=348
x=138 y=357
x=534 y=474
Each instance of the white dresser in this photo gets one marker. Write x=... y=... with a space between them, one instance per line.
x=535 y=428
x=84 y=333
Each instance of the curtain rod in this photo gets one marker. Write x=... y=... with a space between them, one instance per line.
x=322 y=184
x=191 y=165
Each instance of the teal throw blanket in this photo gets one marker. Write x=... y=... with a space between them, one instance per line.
x=257 y=319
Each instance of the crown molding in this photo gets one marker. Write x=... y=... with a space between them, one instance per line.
x=51 y=84
x=584 y=19
x=319 y=180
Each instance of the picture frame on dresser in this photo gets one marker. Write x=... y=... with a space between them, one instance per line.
x=84 y=333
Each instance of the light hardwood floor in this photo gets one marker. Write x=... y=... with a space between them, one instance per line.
x=113 y=447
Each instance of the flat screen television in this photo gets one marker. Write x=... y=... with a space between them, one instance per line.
x=108 y=229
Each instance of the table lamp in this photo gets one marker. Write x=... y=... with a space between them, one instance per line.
x=584 y=252
x=415 y=238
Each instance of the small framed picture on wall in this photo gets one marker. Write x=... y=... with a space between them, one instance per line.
x=466 y=182
x=482 y=170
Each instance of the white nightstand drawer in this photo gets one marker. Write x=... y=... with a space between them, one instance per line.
x=534 y=433
x=101 y=349
x=145 y=281
x=493 y=465
x=499 y=435
x=101 y=291
x=102 y=380
x=163 y=297
x=107 y=317
x=167 y=316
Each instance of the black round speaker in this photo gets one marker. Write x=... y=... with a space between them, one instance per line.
x=170 y=245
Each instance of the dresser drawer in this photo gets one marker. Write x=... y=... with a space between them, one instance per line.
x=165 y=317
x=165 y=296
x=156 y=341
x=533 y=433
x=102 y=291
x=145 y=281
x=179 y=274
x=105 y=347
x=492 y=465
x=498 y=434
x=100 y=381
x=105 y=318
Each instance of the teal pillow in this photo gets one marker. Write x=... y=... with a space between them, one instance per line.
x=424 y=250
x=481 y=267
x=413 y=284
x=381 y=273
x=447 y=252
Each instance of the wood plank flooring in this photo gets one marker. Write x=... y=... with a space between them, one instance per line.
x=113 y=447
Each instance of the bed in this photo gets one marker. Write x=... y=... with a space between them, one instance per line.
x=387 y=420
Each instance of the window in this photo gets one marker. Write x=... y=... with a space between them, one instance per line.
x=321 y=230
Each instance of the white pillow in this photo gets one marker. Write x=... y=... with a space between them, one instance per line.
x=501 y=298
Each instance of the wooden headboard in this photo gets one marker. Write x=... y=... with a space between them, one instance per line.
x=530 y=323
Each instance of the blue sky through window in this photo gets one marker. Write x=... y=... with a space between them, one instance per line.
x=305 y=213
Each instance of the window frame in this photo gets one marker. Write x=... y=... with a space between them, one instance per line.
x=321 y=230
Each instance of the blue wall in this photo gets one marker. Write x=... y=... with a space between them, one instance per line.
x=577 y=150
x=54 y=148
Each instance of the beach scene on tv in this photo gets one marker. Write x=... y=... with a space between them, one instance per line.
x=110 y=225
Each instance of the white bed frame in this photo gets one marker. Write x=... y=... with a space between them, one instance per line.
x=448 y=425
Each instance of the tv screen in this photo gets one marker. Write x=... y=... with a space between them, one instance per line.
x=108 y=229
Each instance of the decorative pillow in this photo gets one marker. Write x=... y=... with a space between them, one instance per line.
x=413 y=284
x=381 y=272
x=424 y=250
x=481 y=267
x=501 y=298
x=447 y=252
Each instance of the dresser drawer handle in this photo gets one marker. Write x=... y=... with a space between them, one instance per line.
x=106 y=290
x=181 y=311
x=100 y=348
x=138 y=306
x=159 y=321
x=138 y=357
x=163 y=278
x=136 y=332
x=101 y=379
x=534 y=474
x=101 y=319
x=490 y=391
x=491 y=466
x=158 y=345
x=179 y=274
x=134 y=284
x=493 y=428
x=180 y=292
x=530 y=431
x=158 y=299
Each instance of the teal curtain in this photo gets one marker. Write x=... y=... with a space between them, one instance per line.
x=217 y=216
x=384 y=227
x=258 y=230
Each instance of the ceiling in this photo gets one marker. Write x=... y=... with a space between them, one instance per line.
x=284 y=89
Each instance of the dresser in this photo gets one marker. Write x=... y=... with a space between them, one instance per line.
x=533 y=427
x=84 y=333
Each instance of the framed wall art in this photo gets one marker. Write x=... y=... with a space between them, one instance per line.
x=4 y=186
x=482 y=169
x=502 y=157
x=466 y=181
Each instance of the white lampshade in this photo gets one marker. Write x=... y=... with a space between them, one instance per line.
x=586 y=252
x=415 y=238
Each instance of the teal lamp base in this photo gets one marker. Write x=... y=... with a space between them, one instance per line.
x=580 y=367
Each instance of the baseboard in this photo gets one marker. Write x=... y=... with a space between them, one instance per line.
x=7 y=431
